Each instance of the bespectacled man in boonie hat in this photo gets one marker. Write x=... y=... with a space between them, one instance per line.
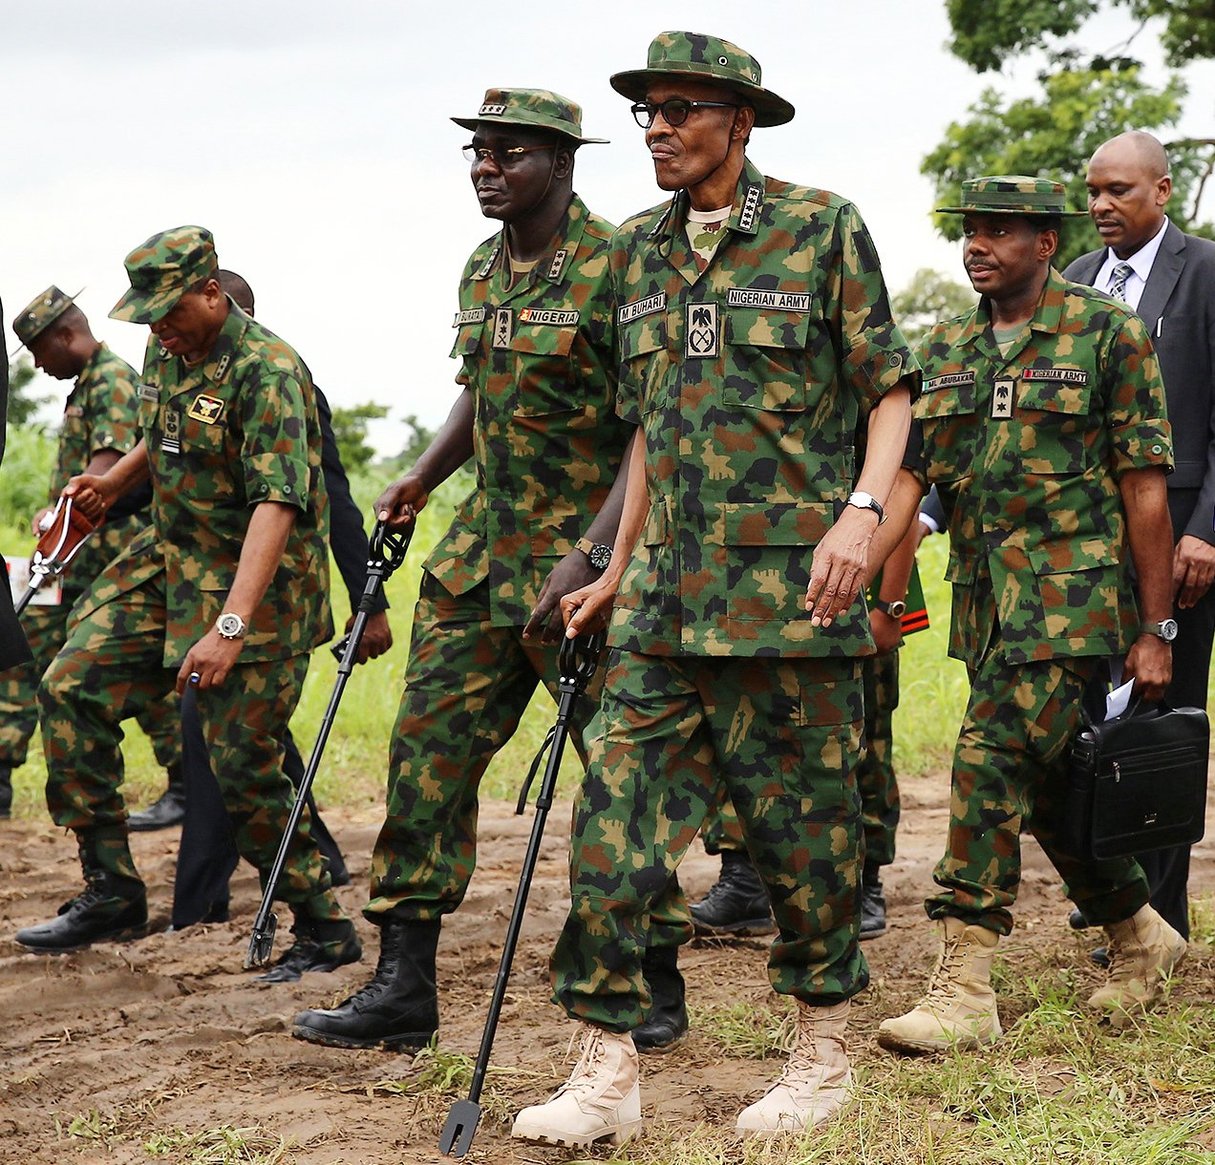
x=755 y=335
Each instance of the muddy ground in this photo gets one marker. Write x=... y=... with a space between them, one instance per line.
x=116 y=1052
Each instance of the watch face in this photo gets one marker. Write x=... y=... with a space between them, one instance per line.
x=895 y=610
x=230 y=626
x=600 y=556
x=1168 y=630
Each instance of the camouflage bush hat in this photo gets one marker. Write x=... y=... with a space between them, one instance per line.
x=42 y=311
x=162 y=270
x=531 y=109
x=705 y=58
x=1013 y=194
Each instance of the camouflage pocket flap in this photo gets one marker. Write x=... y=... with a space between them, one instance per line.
x=1067 y=556
x=946 y=396
x=544 y=340
x=643 y=336
x=657 y=526
x=775 y=524
x=764 y=328
x=1052 y=390
x=468 y=340
x=961 y=568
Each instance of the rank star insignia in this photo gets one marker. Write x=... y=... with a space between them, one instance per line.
x=170 y=437
x=701 y=327
x=1002 y=399
x=205 y=408
x=502 y=328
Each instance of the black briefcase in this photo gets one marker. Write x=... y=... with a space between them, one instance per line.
x=1138 y=782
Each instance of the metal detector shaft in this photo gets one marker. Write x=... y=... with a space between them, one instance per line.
x=577 y=662
x=386 y=552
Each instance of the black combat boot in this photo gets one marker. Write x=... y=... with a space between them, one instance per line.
x=168 y=809
x=6 y=789
x=666 y=1022
x=873 y=904
x=111 y=909
x=399 y=1008
x=737 y=903
x=319 y=946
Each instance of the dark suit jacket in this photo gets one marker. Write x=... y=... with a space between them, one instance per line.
x=1178 y=307
x=13 y=648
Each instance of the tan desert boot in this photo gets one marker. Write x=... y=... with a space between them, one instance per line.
x=959 y=1010
x=1143 y=950
x=601 y=1099
x=815 y=1083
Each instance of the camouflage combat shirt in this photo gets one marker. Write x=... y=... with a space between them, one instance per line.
x=749 y=380
x=1025 y=451
x=238 y=429
x=539 y=360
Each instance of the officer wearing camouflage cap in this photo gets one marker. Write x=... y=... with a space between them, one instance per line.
x=536 y=339
x=100 y=422
x=755 y=335
x=1044 y=431
x=227 y=592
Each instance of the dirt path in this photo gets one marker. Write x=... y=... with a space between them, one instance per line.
x=150 y=1041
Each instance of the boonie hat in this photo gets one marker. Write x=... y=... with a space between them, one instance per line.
x=531 y=109
x=1013 y=194
x=162 y=270
x=42 y=311
x=705 y=58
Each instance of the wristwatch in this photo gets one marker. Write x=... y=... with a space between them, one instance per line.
x=1166 y=629
x=599 y=553
x=894 y=608
x=864 y=501
x=230 y=626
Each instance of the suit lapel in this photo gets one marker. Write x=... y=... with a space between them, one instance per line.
x=1166 y=270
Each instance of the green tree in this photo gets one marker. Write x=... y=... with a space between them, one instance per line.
x=350 y=431
x=22 y=404
x=927 y=299
x=1083 y=100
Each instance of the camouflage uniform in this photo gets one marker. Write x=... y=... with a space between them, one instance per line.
x=100 y=413
x=538 y=359
x=236 y=430
x=1026 y=450
x=748 y=380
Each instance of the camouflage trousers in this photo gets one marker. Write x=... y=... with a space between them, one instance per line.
x=880 y=804
x=113 y=665
x=1009 y=776
x=46 y=629
x=467 y=685
x=783 y=736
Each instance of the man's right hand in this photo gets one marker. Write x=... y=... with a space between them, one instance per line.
x=589 y=608
x=90 y=495
x=401 y=502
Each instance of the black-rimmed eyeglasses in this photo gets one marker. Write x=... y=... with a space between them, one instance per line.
x=502 y=158
x=674 y=110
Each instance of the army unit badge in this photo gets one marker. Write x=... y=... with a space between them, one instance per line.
x=205 y=408
x=700 y=326
x=1002 y=399
x=502 y=328
x=170 y=437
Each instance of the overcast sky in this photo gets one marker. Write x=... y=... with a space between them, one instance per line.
x=313 y=139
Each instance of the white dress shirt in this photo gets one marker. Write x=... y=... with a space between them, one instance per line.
x=1141 y=267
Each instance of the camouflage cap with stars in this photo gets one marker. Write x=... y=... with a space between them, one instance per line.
x=1013 y=194
x=42 y=311
x=162 y=270
x=531 y=109
x=694 y=55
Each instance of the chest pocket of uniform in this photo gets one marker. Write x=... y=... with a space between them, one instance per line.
x=951 y=429
x=1055 y=423
x=767 y=359
x=544 y=372
x=204 y=454
x=643 y=360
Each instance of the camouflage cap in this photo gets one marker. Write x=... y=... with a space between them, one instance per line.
x=42 y=311
x=705 y=58
x=1013 y=194
x=162 y=270
x=531 y=109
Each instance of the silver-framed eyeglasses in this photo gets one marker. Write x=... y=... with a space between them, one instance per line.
x=503 y=159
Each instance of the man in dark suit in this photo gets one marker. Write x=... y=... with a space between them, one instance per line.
x=1168 y=279
x=13 y=648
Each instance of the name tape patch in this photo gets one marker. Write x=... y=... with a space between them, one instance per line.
x=538 y=315
x=472 y=315
x=949 y=380
x=147 y=392
x=642 y=307
x=757 y=297
x=1065 y=375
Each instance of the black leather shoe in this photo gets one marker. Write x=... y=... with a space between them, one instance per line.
x=111 y=909
x=1100 y=956
x=736 y=903
x=873 y=910
x=169 y=809
x=666 y=1023
x=399 y=1008
x=1076 y=920
x=318 y=946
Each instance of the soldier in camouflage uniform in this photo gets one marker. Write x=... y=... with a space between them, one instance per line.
x=535 y=335
x=227 y=592
x=99 y=426
x=755 y=331
x=1044 y=432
